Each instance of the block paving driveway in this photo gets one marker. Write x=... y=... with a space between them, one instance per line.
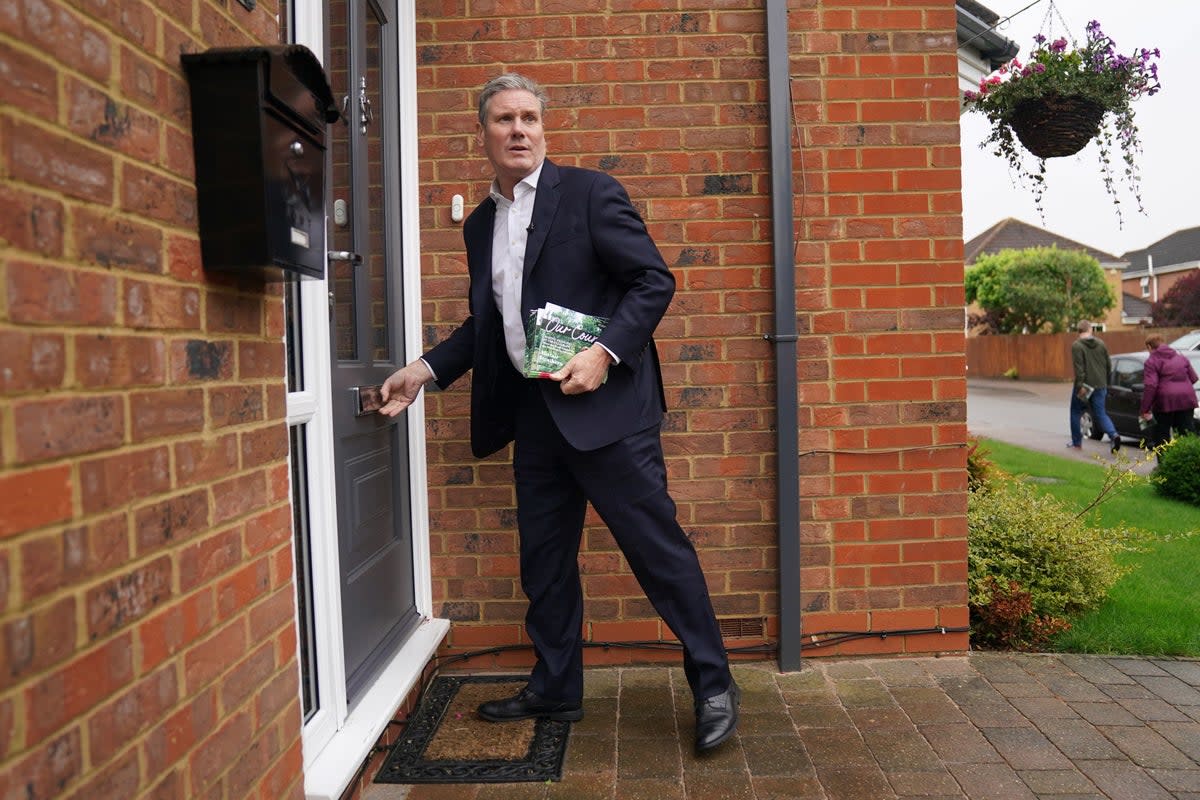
x=1002 y=726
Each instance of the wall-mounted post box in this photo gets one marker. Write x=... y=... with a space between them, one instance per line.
x=258 y=129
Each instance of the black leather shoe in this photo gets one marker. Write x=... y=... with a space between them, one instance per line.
x=525 y=704
x=716 y=719
x=1116 y=443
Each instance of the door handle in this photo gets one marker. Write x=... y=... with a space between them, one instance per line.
x=366 y=399
x=344 y=255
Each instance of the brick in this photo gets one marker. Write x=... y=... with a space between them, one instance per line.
x=39 y=293
x=157 y=197
x=71 y=556
x=107 y=362
x=230 y=313
x=260 y=360
x=208 y=659
x=204 y=460
x=117 y=723
x=272 y=614
x=119 y=779
x=203 y=360
x=240 y=589
x=143 y=80
x=183 y=258
x=269 y=530
x=249 y=767
x=7 y=729
x=179 y=732
x=171 y=520
x=219 y=751
x=239 y=496
x=285 y=778
x=126 y=598
x=264 y=446
x=166 y=412
x=110 y=241
x=31 y=223
x=113 y=481
x=34 y=499
x=45 y=771
x=203 y=561
x=66 y=694
x=40 y=158
x=166 y=634
x=28 y=84
x=38 y=641
x=160 y=306
x=96 y=117
x=240 y=683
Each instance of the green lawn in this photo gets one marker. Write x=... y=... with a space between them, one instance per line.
x=1155 y=610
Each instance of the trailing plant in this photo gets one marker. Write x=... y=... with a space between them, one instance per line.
x=1058 y=75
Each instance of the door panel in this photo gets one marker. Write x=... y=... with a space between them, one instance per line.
x=371 y=452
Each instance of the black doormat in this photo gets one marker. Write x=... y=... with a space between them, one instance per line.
x=445 y=741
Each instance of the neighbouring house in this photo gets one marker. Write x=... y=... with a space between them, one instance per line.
x=1014 y=234
x=981 y=48
x=221 y=575
x=1153 y=270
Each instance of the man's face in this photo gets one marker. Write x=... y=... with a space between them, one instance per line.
x=512 y=136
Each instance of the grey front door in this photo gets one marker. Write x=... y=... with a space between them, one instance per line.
x=371 y=451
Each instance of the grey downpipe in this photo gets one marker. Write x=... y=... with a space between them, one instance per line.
x=784 y=338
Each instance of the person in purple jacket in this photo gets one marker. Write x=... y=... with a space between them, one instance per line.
x=1169 y=397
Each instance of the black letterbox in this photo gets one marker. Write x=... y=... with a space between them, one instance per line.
x=258 y=130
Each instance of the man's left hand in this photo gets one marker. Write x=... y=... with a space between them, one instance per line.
x=585 y=372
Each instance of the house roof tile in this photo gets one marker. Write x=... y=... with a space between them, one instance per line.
x=1013 y=234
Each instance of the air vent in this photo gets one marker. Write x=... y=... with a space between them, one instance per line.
x=742 y=627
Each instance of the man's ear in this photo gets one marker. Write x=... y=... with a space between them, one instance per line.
x=479 y=133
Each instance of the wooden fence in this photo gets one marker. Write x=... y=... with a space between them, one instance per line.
x=1046 y=356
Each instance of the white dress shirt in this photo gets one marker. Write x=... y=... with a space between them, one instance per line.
x=510 y=233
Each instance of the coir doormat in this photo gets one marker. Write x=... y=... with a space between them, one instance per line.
x=445 y=741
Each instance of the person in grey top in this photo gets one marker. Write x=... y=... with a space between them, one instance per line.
x=1089 y=357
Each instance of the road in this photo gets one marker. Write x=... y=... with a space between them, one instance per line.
x=1031 y=414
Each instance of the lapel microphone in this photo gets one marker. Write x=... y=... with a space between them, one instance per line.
x=530 y=228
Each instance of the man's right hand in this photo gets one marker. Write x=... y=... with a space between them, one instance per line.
x=402 y=387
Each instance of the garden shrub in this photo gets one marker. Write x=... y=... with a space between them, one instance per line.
x=1032 y=562
x=1178 y=472
x=981 y=470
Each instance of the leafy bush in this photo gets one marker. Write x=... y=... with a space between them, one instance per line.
x=1032 y=562
x=981 y=472
x=1178 y=472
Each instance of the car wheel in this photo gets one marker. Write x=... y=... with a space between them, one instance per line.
x=1088 y=426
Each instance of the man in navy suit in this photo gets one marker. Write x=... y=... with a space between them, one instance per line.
x=590 y=431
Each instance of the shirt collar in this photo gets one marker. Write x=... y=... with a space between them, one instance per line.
x=530 y=180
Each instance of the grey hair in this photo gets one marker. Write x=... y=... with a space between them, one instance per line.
x=1084 y=326
x=510 y=80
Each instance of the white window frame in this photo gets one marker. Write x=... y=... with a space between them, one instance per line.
x=338 y=738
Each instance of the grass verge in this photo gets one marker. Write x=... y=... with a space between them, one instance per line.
x=1154 y=610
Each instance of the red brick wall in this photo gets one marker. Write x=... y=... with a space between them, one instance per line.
x=146 y=616
x=672 y=100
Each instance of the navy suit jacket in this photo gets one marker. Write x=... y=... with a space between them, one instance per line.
x=588 y=250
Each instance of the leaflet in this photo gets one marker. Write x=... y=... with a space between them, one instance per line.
x=554 y=334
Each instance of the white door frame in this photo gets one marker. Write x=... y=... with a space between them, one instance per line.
x=338 y=738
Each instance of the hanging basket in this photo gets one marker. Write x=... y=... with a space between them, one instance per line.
x=1053 y=125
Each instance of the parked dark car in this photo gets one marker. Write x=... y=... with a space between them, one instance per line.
x=1124 y=399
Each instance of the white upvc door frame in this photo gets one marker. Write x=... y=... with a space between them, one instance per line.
x=338 y=738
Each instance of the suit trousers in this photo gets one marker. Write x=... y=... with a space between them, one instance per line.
x=626 y=482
